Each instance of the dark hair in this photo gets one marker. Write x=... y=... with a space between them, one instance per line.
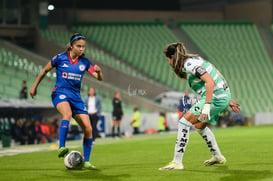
x=76 y=36
x=178 y=53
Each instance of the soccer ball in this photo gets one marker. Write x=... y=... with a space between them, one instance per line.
x=74 y=160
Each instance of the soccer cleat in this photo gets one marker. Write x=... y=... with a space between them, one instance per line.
x=214 y=160
x=88 y=165
x=173 y=166
x=62 y=152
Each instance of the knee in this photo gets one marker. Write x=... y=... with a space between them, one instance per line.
x=67 y=116
x=87 y=129
x=200 y=126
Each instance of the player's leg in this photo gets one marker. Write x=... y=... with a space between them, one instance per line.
x=113 y=128
x=183 y=133
x=118 y=125
x=93 y=120
x=218 y=105
x=209 y=138
x=84 y=122
x=66 y=113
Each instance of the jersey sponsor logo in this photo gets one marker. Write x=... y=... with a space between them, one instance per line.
x=64 y=65
x=81 y=67
x=197 y=109
x=71 y=76
x=62 y=96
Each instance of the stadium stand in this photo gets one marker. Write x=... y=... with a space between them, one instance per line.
x=138 y=43
x=17 y=69
x=238 y=52
x=61 y=36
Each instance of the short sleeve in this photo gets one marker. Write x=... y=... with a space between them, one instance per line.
x=54 y=61
x=91 y=69
x=193 y=66
x=89 y=66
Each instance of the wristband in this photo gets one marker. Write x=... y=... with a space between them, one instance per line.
x=206 y=110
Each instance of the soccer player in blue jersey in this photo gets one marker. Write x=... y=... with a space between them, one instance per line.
x=209 y=83
x=70 y=68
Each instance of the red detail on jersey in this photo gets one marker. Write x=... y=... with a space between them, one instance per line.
x=91 y=70
x=73 y=63
x=54 y=89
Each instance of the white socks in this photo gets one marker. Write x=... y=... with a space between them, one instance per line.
x=210 y=140
x=182 y=139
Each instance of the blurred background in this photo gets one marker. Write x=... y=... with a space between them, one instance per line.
x=126 y=38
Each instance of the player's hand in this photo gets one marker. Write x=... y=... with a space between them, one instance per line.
x=235 y=106
x=32 y=92
x=97 y=68
x=205 y=114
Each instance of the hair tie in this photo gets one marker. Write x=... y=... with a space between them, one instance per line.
x=76 y=38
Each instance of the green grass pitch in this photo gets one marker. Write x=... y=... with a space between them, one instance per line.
x=248 y=151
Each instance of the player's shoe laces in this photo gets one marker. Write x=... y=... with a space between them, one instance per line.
x=62 y=152
x=88 y=165
x=214 y=160
x=173 y=166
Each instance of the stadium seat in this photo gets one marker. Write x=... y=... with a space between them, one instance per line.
x=140 y=44
x=238 y=52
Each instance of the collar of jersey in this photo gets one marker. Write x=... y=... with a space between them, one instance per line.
x=70 y=60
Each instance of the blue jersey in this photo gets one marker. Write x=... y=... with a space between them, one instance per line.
x=70 y=74
x=184 y=104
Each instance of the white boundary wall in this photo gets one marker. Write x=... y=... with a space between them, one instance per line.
x=263 y=118
x=148 y=120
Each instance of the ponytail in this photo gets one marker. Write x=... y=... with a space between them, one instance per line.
x=177 y=52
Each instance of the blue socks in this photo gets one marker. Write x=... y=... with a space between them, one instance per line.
x=87 y=148
x=87 y=142
x=63 y=132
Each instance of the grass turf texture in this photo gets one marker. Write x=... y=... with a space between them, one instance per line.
x=248 y=151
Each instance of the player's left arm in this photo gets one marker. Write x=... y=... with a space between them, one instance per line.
x=235 y=106
x=209 y=93
x=209 y=86
x=96 y=72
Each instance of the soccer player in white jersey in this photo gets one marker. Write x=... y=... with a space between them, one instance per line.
x=209 y=83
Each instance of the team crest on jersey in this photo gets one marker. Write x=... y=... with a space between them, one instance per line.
x=81 y=67
x=62 y=96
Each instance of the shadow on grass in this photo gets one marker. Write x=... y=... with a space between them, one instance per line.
x=86 y=174
x=232 y=174
x=244 y=174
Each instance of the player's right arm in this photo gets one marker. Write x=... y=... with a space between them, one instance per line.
x=47 y=68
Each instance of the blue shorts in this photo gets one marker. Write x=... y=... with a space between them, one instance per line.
x=73 y=98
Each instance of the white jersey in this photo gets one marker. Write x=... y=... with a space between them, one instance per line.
x=196 y=67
